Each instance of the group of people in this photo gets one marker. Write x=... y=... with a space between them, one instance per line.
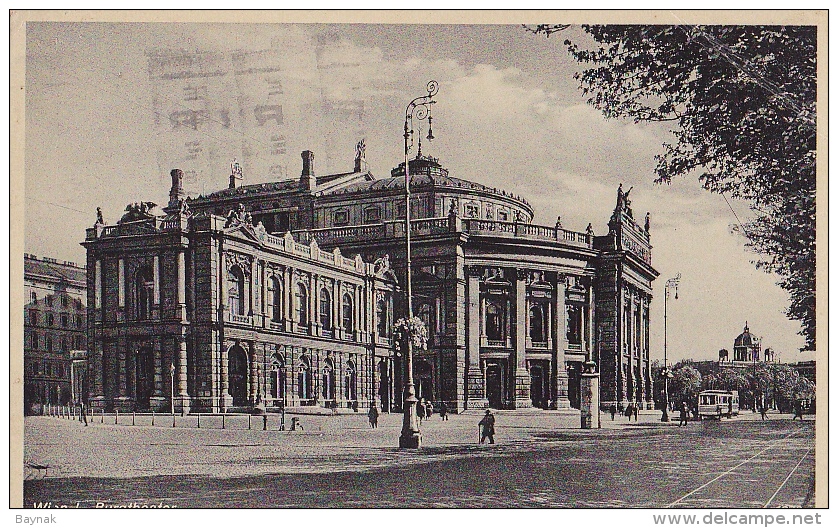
x=424 y=410
x=629 y=411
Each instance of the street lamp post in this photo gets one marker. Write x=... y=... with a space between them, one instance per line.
x=670 y=284
x=172 y=374
x=419 y=108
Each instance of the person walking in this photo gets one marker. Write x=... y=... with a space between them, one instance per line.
x=684 y=419
x=635 y=409
x=762 y=412
x=83 y=413
x=798 y=410
x=443 y=411
x=613 y=410
x=429 y=409
x=420 y=410
x=628 y=412
x=487 y=427
x=373 y=416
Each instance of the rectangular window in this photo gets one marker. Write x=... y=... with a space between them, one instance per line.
x=373 y=214
x=341 y=218
x=401 y=211
x=33 y=297
x=49 y=300
x=33 y=317
x=472 y=210
x=65 y=320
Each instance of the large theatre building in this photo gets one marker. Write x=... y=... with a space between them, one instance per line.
x=285 y=293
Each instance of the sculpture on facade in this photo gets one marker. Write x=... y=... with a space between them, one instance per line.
x=99 y=219
x=647 y=223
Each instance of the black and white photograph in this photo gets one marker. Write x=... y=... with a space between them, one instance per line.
x=404 y=260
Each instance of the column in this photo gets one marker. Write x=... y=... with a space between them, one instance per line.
x=288 y=299
x=560 y=398
x=157 y=398
x=98 y=288
x=521 y=394
x=253 y=372
x=156 y=288
x=312 y=305
x=621 y=345
x=181 y=284
x=121 y=285
x=337 y=302
x=96 y=374
x=475 y=389
x=225 y=400
x=180 y=375
x=263 y=296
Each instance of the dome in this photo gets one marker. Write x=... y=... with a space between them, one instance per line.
x=745 y=338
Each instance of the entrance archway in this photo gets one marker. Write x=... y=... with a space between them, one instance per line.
x=539 y=391
x=384 y=385
x=237 y=368
x=495 y=379
x=144 y=380
x=423 y=376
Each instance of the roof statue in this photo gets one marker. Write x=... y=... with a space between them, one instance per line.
x=360 y=155
x=646 y=225
x=99 y=219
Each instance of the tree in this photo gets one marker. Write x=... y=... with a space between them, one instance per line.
x=741 y=104
x=685 y=384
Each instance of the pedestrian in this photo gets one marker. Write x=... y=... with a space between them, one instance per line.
x=83 y=415
x=798 y=410
x=762 y=410
x=613 y=410
x=373 y=416
x=443 y=411
x=684 y=415
x=487 y=427
x=635 y=409
x=628 y=412
x=730 y=408
x=420 y=411
x=429 y=409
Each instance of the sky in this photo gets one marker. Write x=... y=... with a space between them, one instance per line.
x=107 y=118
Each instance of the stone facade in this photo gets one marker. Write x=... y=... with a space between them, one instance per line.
x=512 y=307
x=54 y=331
x=215 y=314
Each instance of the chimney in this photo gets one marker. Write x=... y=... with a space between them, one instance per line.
x=307 y=179
x=176 y=192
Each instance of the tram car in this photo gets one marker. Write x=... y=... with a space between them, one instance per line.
x=718 y=403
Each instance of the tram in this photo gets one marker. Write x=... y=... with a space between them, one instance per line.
x=718 y=403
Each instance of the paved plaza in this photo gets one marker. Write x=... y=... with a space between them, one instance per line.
x=541 y=459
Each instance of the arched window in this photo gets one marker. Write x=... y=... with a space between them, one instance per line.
x=350 y=385
x=574 y=324
x=382 y=316
x=144 y=284
x=424 y=314
x=304 y=381
x=494 y=322
x=537 y=326
x=325 y=310
x=301 y=305
x=346 y=319
x=235 y=293
x=329 y=380
x=276 y=299
x=277 y=381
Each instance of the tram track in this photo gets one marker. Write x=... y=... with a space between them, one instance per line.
x=696 y=495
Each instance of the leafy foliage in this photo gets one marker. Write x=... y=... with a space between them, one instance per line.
x=685 y=384
x=413 y=329
x=741 y=103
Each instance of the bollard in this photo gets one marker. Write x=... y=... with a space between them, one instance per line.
x=133 y=418
x=116 y=417
x=152 y=418
x=222 y=421
x=265 y=422
x=103 y=415
x=199 y=421
x=173 y=419
x=248 y=422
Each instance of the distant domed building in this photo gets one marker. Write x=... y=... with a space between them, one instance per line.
x=746 y=347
